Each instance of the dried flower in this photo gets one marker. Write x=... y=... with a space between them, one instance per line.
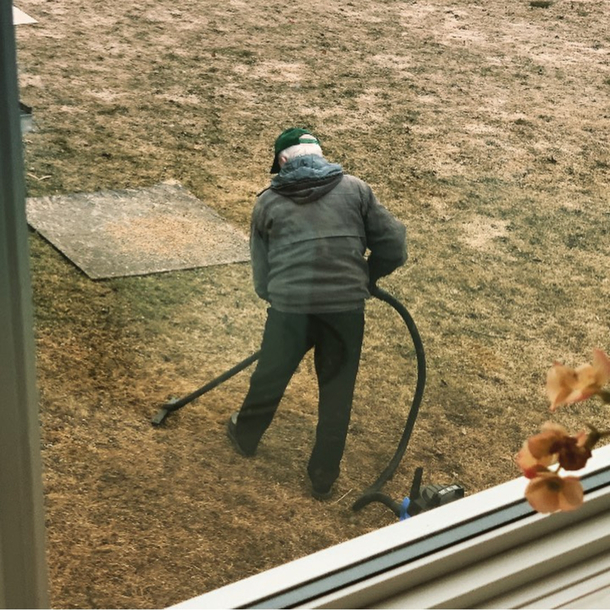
x=547 y=490
x=566 y=386
x=548 y=493
x=554 y=444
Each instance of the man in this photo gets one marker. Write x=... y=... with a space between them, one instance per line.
x=310 y=232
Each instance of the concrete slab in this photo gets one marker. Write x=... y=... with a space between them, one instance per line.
x=137 y=231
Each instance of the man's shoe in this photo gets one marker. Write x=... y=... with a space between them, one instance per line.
x=322 y=493
x=232 y=434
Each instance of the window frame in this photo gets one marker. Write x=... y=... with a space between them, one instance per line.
x=23 y=570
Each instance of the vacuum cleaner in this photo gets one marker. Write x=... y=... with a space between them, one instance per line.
x=420 y=499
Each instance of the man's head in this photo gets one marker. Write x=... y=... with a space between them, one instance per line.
x=292 y=143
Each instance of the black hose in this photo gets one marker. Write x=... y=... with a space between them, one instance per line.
x=371 y=494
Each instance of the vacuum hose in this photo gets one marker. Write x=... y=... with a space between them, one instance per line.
x=371 y=494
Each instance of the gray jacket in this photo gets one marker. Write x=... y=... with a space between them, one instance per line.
x=310 y=232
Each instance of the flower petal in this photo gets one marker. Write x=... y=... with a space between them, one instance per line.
x=573 y=456
x=531 y=466
x=541 y=446
x=561 y=380
x=549 y=493
x=580 y=394
x=571 y=495
x=524 y=459
x=586 y=376
x=541 y=495
x=601 y=365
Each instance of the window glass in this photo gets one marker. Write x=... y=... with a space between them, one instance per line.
x=149 y=135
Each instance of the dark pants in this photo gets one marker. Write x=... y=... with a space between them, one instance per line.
x=337 y=341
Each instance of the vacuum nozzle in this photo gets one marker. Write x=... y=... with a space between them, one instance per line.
x=159 y=417
x=164 y=411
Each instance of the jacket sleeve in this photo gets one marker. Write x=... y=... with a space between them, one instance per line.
x=259 y=253
x=386 y=238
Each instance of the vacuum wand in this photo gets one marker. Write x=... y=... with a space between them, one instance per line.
x=174 y=405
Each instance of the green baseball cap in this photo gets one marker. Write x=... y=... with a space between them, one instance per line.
x=291 y=137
